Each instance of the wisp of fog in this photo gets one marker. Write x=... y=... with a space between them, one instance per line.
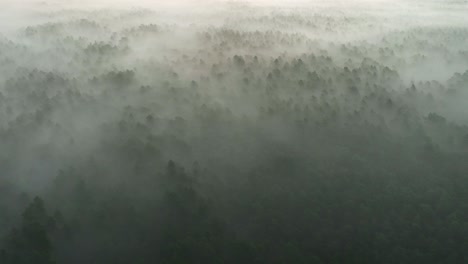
x=217 y=131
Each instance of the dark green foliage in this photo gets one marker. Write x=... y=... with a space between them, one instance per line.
x=190 y=233
x=277 y=136
x=30 y=243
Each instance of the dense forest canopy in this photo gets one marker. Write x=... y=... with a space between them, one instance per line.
x=233 y=132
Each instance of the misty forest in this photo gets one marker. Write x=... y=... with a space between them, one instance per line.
x=321 y=132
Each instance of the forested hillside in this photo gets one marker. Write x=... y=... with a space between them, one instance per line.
x=234 y=132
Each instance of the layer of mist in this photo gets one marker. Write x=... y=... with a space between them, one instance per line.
x=233 y=131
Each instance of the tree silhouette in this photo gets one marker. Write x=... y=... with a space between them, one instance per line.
x=30 y=243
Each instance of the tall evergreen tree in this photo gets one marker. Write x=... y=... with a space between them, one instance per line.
x=30 y=243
